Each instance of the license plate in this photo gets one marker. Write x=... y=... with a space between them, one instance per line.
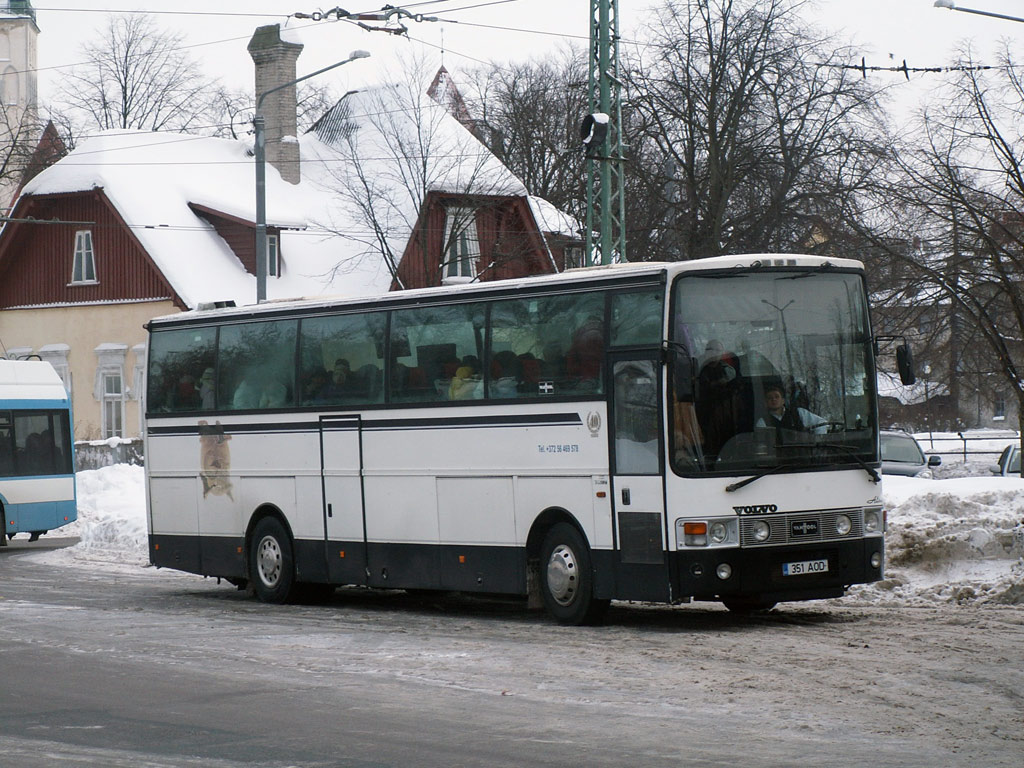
x=804 y=567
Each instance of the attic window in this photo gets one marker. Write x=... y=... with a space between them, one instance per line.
x=461 y=246
x=273 y=256
x=83 y=270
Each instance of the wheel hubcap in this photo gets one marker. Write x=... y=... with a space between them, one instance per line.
x=562 y=575
x=268 y=561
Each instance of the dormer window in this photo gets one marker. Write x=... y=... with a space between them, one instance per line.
x=461 y=246
x=83 y=270
x=273 y=256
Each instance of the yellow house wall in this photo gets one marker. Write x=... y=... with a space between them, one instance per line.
x=83 y=328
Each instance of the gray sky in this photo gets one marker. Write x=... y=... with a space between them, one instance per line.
x=481 y=30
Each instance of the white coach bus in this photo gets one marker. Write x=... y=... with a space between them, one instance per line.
x=655 y=432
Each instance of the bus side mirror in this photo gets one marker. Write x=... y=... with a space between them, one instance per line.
x=905 y=364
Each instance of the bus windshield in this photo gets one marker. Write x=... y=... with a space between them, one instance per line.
x=770 y=370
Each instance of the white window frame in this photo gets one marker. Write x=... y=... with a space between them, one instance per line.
x=273 y=256
x=138 y=390
x=110 y=367
x=461 y=246
x=57 y=356
x=83 y=265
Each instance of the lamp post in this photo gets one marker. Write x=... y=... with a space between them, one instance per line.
x=259 y=124
x=926 y=370
x=953 y=7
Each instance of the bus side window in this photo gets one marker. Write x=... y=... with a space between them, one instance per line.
x=6 y=445
x=178 y=363
x=636 y=319
x=257 y=365
x=432 y=347
x=341 y=359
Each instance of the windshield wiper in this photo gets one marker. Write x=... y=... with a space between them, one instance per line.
x=851 y=452
x=743 y=483
x=848 y=450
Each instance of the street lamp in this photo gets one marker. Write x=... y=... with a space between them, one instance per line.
x=261 y=173
x=953 y=7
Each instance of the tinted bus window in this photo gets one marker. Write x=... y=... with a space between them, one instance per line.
x=435 y=353
x=181 y=367
x=636 y=319
x=34 y=443
x=547 y=346
x=342 y=359
x=257 y=365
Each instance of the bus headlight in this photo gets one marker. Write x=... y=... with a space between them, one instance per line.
x=761 y=530
x=719 y=533
x=843 y=524
x=871 y=523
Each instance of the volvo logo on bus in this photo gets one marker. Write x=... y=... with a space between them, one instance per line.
x=756 y=509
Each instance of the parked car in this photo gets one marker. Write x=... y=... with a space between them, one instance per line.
x=1009 y=462
x=902 y=455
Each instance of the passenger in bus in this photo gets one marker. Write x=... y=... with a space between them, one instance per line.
x=274 y=394
x=719 y=401
x=466 y=385
x=781 y=417
x=586 y=354
x=207 y=390
x=313 y=389
x=341 y=385
x=506 y=374
x=186 y=396
x=248 y=393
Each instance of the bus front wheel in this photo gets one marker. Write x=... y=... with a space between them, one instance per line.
x=567 y=579
x=271 y=565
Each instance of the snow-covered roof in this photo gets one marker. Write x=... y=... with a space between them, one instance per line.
x=362 y=185
x=151 y=178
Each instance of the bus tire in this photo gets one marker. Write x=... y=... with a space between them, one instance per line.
x=567 y=579
x=748 y=604
x=271 y=564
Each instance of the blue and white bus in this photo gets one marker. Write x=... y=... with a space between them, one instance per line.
x=606 y=433
x=37 y=480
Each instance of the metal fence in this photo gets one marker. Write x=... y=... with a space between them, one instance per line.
x=965 y=446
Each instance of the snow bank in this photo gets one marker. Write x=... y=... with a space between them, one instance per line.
x=111 y=523
x=949 y=541
x=953 y=540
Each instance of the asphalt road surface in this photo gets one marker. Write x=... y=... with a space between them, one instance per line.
x=116 y=666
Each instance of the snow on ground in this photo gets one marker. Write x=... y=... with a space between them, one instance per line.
x=958 y=538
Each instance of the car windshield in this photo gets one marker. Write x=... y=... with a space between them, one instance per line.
x=901 y=448
x=770 y=370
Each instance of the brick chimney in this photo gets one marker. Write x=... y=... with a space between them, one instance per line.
x=275 y=64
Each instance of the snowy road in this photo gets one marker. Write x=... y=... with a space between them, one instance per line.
x=119 y=666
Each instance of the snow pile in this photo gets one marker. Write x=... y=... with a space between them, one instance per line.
x=111 y=523
x=949 y=541
x=954 y=540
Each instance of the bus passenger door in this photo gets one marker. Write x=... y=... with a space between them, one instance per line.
x=341 y=473
x=637 y=466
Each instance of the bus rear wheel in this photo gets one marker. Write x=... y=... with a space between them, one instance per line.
x=567 y=579
x=271 y=564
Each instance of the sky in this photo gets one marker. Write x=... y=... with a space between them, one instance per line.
x=476 y=31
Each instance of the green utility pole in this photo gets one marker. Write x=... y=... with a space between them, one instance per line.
x=605 y=199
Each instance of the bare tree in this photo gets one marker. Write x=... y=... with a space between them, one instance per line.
x=398 y=147
x=29 y=142
x=954 y=219
x=762 y=139
x=534 y=110
x=137 y=76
